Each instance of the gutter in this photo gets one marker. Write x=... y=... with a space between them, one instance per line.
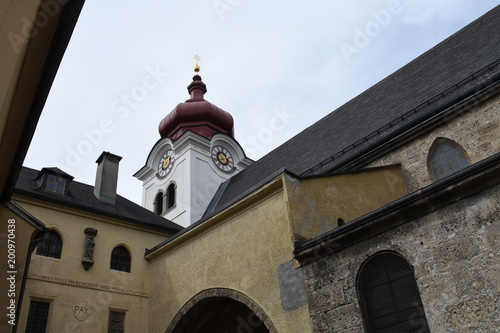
x=412 y=125
x=70 y=204
x=356 y=230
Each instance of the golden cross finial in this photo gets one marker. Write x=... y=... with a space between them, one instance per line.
x=196 y=67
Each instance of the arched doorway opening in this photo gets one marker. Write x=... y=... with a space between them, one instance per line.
x=221 y=310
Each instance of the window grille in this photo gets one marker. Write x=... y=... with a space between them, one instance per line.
x=389 y=296
x=116 y=322
x=38 y=315
x=50 y=245
x=120 y=259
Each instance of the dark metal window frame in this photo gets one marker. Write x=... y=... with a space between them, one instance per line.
x=116 y=322
x=120 y=259
x=55 y=184
x=38 y=316
x=389 y=296
x=50 y=245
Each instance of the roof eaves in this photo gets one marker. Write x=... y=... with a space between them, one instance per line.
x=26 y=215
x=220 y=209
x=329 y=165
x=84 y=206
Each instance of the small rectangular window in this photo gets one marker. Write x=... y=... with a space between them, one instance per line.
x=116 y=322
x=61 y=182
x=37 y=317
x=55 y=184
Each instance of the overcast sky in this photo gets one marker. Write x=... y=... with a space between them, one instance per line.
x=276 y=66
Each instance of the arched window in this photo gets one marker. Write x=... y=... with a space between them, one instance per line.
x=446 y=158
x=159 y=203
x=171 y=196
x=389 y=297
x=120 y=259
x=50 y=245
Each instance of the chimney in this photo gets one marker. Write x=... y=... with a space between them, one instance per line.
x=107 y=177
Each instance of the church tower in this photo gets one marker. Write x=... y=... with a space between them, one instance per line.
x=195 y=154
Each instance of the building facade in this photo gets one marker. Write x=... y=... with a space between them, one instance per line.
x=425 y=260
x=29 y=61
x=445 y=232
x=88 y=271
x=389 y=222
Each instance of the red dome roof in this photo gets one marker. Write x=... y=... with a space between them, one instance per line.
x=197 y=115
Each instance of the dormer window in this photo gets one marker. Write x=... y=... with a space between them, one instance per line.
x=54 y=180
x=55 y=184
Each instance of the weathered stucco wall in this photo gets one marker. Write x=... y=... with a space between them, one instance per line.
x=316 y=204
x=250 y=252
x=477 y=131
x=456 y=260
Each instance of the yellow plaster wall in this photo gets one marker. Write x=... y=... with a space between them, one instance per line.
x=317 y=203
x=66 y=284
x=240 y=252
x=67 y=299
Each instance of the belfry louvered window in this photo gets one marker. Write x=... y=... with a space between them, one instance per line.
x=389 y=296
x=158 y=204
x=171 y=196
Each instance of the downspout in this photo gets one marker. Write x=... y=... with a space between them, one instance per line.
x=33 y=244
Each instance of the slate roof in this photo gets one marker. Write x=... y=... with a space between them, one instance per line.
x=81 y=196
x=434 y=81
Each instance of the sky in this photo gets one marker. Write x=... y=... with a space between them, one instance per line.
x=276 y=66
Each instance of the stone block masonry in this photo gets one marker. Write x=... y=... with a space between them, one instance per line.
x=456 y=259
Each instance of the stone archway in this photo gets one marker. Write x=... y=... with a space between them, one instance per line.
x=221 y=310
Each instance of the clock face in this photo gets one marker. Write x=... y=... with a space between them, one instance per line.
x=165 y=164
x=222 y=158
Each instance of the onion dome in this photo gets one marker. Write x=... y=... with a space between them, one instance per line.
x=197 y=115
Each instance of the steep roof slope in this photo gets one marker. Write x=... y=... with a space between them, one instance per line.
x=432 y=81
x=81 y=196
